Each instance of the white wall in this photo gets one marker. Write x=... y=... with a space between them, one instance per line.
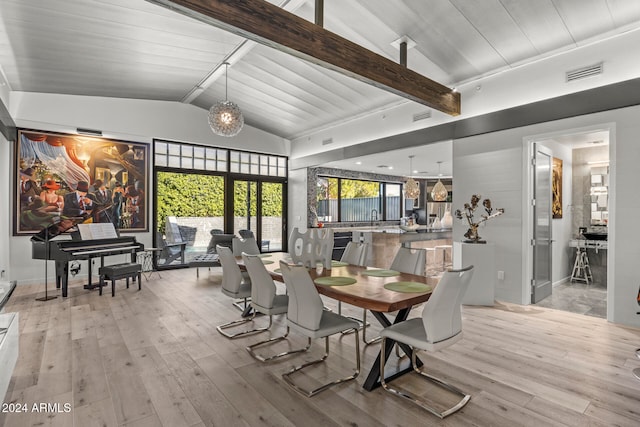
x=297 y=199
x=517 y=85
x=5 y=208
x=492 y=164
x=133 y=119
x=124 y=119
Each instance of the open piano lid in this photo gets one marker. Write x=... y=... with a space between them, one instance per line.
x=55 y=229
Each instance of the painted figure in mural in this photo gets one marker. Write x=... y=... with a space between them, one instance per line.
x=29 y=189
x=35 y=216
x=134 y=207
x=49 y=196
x=79 y=203
x=116 y=208
x=102 y=196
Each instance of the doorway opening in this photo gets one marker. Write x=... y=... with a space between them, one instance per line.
x=568 y=210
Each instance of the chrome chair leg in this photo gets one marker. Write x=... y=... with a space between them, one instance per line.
x=364 y=331
x=415 y=398
x=309 y=393
x=240 y=322
x=261 y=358
x=244 y=306
x=362 y=322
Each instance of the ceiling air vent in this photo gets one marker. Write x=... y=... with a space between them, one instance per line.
x=584 y=72
x=422 y=116
x=327 y=141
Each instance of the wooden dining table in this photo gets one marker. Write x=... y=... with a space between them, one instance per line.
x=369 y=293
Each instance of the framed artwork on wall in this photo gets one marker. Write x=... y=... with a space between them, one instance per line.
x=556 y=187
x=88 y=179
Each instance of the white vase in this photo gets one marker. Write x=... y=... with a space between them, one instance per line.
x=447 y=220
x=436 y=224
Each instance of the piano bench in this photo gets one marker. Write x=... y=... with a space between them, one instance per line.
x=128 y=270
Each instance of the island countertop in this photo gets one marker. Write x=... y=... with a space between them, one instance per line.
x=384 y=242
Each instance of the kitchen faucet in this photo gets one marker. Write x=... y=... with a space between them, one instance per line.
x=374 y=215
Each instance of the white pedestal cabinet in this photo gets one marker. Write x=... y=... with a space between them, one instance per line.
x=483 y=283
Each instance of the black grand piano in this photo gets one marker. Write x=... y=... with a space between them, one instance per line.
x=45 y=246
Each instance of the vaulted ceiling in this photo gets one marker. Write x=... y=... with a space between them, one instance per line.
x=136 y=49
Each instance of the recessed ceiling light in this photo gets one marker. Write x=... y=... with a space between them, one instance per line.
x=358 y=163
x=390 y=167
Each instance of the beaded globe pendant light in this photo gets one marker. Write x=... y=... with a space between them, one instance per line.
x=439 y=192
x=411 y=187
x=225 y=117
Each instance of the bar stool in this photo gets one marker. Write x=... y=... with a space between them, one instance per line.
x=444 y=249
x=431 y=260
x=581 y=268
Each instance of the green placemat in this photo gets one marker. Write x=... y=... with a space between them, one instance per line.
x=277 y=270
x=335 y=281
x=409 y=287
x=264 y=255
x=381 y=273
x=266 y=261
x=336 y=263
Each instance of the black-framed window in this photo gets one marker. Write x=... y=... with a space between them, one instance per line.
x=199 y=185
x=357 y=200
x=214 y=159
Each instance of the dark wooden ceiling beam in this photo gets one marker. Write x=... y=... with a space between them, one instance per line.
x=273 y=26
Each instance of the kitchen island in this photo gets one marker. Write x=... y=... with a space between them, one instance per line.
x=384 y=243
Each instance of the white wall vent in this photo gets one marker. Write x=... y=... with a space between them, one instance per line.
x=422 y=116
x=327 y=141
x=584 y=72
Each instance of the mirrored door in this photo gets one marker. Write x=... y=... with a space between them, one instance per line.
x=542 y=239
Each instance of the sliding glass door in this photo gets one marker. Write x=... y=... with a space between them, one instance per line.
x=201 y=191
x=259 y=206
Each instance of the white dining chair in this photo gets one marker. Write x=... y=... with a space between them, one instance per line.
x=307 y=316
x=247 y=245
x=265 y=300
x=439 y=327
x=406 y=260
x=318 y=248
x=298 y=243
x=355 y=253
x=235 y=284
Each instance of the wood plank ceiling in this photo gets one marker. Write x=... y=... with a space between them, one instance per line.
x=135 y=49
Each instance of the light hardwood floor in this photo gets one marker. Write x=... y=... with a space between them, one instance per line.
x=154 y=358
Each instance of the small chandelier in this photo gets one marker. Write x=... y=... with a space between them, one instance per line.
x=411 y=187
x=225 y=117
x=439 y=192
